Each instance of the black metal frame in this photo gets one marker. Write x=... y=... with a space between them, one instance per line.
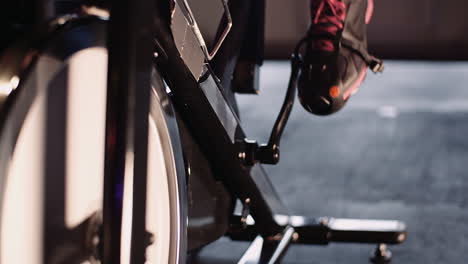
x=237 y=163
x=130 y=41
x=246 y=182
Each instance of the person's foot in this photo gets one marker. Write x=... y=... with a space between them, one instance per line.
x=336 y=58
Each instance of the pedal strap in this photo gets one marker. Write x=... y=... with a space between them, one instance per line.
x=376 y=65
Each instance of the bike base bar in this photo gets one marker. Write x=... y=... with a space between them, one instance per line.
x=325 y=230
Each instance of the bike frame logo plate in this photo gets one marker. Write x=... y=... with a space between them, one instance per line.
x=189 y=38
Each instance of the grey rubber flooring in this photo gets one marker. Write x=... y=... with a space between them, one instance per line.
x=399 y=150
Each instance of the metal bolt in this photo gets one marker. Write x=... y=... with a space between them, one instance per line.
x=242 y=155
x=295 y=237
x=401 y=237
x=61 y=21
x=14 y=82
x=96 y=240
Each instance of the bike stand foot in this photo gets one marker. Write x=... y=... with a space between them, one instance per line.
x=381 y=255
x=320 y=231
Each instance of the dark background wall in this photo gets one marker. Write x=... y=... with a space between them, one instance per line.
x=400 y=29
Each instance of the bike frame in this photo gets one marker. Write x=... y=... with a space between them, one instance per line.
x=205 y=105
x=140 y=36
x=215 y=125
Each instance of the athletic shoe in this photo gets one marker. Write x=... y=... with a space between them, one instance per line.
x=336 y=57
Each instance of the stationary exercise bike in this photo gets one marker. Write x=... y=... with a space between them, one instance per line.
x=121 y=142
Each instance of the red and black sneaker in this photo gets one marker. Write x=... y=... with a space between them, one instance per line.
x=336 y=57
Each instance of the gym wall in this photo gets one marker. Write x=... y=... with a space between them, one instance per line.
x=400 y=29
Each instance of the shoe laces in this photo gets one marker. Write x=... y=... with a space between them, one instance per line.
x=327 y=21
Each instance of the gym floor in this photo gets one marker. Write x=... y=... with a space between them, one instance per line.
x=398 y=150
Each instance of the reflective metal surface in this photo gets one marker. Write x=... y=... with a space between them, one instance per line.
x=325 y=230
x=187 y=43
x=16 y=107
x=163 y=116
x=223 y=110
x=189 y=39
x=185 y=9
x=40 y=72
